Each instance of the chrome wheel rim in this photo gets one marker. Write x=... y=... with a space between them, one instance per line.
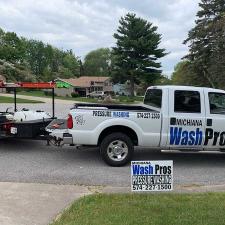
x=117 y=150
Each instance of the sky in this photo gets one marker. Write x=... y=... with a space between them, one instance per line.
x=85 y=25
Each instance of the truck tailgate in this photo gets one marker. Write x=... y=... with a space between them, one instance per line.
x=59 y=124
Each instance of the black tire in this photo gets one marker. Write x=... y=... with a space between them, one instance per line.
x=114 y=137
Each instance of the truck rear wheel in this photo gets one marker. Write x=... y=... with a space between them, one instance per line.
x=117 y=149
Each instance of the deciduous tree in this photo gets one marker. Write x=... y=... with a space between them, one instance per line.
x=185 y=74
x=98 y=62
x=207 y=42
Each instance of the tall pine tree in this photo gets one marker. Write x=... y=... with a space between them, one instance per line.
x=207 y=42
x=137 y=51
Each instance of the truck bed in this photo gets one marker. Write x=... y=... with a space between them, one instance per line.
x=92 y=106
x=57 y=124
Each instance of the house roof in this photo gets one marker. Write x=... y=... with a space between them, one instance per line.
x=84 y=81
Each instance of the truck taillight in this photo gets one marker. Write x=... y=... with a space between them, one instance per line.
x=70 y=122
x=6 y=127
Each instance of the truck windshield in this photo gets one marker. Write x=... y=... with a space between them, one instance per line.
x=153 y=97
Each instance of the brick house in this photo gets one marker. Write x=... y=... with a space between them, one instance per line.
x=83 y=85
x=2 y=79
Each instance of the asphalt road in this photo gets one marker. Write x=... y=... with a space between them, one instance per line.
x=33 y=161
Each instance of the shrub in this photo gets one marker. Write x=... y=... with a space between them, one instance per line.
x=129 y=99
x=49 y=93
x=74 y=95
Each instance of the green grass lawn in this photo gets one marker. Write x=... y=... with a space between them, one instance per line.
x=42 y=94
x=32 y=93
x=5 y=99
x=127 y=99
x=120 y=99
x=146 y=209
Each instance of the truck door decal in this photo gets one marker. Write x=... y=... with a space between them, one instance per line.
x=178 y=136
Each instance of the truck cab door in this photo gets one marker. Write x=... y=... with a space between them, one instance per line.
x=186 y=119
x=215 y=120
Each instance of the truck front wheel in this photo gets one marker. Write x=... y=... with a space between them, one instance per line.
x=116 y=149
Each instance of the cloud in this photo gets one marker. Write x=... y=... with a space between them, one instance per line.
x=84 y=25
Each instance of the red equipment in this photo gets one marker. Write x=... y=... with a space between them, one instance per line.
x=37 y=85
x=30 y=85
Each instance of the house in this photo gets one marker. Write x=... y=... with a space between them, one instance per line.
x=124 y=89
x=83 y=85
x=2 y=80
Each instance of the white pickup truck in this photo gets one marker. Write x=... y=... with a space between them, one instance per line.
x=170 y=118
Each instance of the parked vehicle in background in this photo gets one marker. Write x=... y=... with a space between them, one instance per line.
x=171 y=118
x=97 y=94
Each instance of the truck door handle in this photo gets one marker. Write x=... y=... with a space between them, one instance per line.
x=172 y=121
x=209 y=122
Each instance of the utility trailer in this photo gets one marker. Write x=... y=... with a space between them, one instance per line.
x=13 y=125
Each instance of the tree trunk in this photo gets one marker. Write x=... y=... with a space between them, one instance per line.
x=132 y=87
x=208 y=78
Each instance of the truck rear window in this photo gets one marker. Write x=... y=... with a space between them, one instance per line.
x=153 y=97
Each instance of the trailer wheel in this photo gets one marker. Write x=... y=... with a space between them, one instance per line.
x=116 y=149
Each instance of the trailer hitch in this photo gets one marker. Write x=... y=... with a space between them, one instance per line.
x=55 y=141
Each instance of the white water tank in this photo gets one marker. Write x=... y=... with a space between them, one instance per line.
x=29 y=115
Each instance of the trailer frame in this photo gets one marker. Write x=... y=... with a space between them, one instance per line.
x=28 y=129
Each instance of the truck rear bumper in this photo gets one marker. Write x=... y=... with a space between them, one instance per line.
x=58 y=130
x=62 y=136
x=67 y=139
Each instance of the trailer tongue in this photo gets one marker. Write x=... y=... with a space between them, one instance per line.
x=26 y=124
